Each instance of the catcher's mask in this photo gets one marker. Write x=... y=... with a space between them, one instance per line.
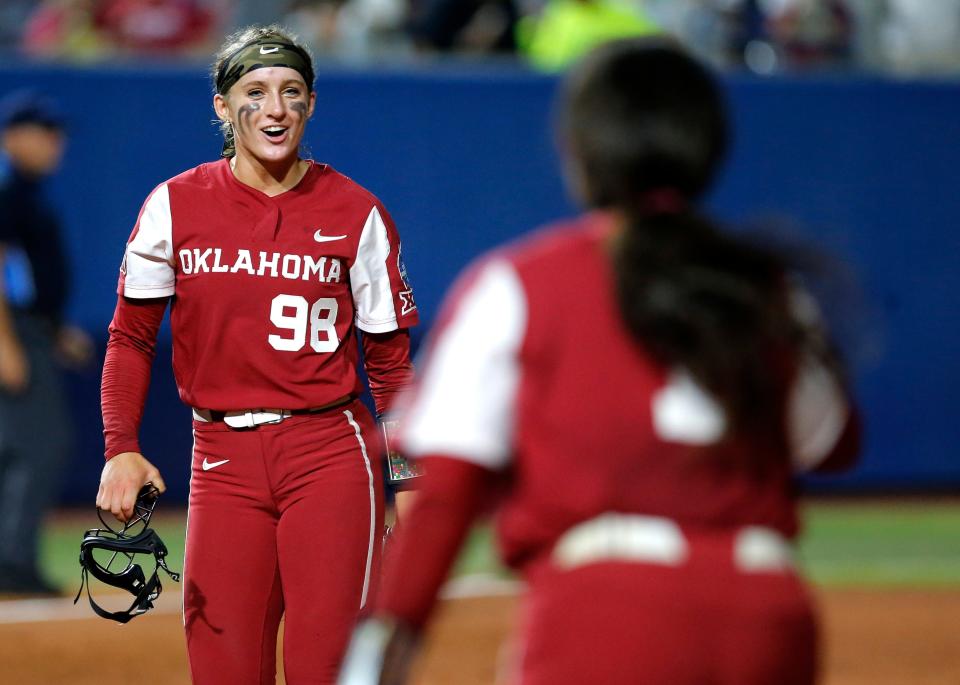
x=108 y=555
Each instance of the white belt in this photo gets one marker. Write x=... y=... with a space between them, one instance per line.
x=245 y=419
x=657 y=540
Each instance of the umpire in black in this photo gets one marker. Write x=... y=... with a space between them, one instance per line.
x=35 y=428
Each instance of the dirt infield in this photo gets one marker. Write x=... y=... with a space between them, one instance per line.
x=872 y=637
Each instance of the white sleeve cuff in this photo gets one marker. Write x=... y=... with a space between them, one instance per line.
x=147 y=292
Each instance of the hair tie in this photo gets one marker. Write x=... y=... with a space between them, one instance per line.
x=229 y=142
x=662 y=201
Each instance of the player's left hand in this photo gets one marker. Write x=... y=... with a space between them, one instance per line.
x=380 y=653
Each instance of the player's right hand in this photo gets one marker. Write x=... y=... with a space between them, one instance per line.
x=121 y=480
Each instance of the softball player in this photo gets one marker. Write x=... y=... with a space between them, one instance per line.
x=270 y=264
x=635 y=389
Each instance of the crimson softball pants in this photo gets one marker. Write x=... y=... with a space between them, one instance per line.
x=622 y=623
x=284 y=520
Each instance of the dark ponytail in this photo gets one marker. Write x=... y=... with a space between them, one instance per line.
x=699 y=299
x=646 y=130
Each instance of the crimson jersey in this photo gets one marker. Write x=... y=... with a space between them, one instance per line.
x=266 y=291
x=532 y=370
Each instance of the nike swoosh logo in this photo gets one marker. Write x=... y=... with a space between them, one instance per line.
x=264 y=50
x=207 y=465
x=326 y=238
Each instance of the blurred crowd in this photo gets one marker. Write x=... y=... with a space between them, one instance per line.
x=765 y=36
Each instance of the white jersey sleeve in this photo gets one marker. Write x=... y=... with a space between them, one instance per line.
x=371 y=280
x=148 y=264
x=464 y=404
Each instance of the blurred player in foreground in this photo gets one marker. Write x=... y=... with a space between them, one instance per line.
x=270 y=264
x=635 y=390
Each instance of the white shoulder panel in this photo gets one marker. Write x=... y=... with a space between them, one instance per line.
x=369 y=279
x=683 y=412
x=148 y=263
x=464 y=406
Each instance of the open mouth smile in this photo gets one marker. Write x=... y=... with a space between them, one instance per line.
x=276 y=134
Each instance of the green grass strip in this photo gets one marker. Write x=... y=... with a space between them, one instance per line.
x=894 y=543
x=874 y=543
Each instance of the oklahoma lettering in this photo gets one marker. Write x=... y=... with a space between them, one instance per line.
x=293 y=267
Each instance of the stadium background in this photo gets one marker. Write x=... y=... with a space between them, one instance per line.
x=464 y=159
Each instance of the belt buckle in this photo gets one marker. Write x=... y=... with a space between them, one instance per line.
x=263 y=416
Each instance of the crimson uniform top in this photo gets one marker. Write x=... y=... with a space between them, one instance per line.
x=267 y=290
x=532 y=372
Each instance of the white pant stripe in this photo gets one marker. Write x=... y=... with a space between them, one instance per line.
x=186 y=537
x=373 y=508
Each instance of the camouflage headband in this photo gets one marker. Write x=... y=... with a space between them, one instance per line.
x=263 y=53
x=259 y=55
